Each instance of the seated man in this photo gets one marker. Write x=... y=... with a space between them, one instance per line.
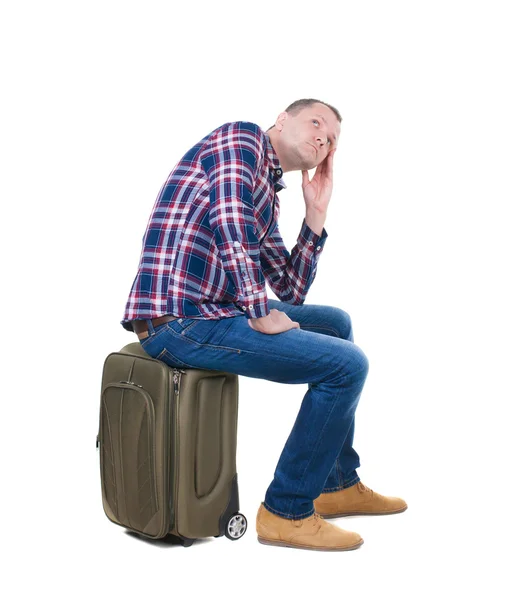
x=199 y=300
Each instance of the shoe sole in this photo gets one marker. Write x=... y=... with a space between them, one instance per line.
x=362 y=514
x=301 y=547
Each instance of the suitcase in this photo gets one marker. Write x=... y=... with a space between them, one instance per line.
x=167 y=442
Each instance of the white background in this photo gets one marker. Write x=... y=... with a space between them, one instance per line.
x=428 y=251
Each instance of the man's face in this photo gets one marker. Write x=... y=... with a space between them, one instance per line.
x=309 y=136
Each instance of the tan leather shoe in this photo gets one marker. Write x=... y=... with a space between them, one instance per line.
x=357 y=500
x=311 y=533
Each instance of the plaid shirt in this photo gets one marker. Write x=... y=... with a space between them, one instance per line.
x=212 y=239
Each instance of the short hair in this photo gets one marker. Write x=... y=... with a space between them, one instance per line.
x=295 y=107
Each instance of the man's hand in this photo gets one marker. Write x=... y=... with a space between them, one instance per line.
x=318 y=191
x=275 y=322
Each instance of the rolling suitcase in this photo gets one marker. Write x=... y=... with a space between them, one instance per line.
x=167 y=441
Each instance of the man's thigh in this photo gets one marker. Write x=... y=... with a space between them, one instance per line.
x=293 y=356
x=320 y=318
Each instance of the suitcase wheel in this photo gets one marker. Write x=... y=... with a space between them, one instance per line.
x=236 y=527
x=186 y=542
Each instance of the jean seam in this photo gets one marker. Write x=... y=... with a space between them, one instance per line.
x=149 y=339
x=179 y=337
x=172 y=357
x=224 y=333
x=187 y=327
x=238 y=350
x=235 y=350
x=288 y=515
x=336 y=333
x=346 y=484
x=301 y=479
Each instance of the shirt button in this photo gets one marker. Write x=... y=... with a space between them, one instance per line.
x=311 y=243
x=250 y=306
x=279 y=172
x=318 y=247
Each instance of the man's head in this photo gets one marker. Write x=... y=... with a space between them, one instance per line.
x=305 y=133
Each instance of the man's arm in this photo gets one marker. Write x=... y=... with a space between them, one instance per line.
x=291 y=275
x=230 y=162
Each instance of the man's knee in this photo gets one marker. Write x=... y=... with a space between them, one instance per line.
x=342 y=323
x=356 y=364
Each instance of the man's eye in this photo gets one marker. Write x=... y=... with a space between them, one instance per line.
x=315 y=121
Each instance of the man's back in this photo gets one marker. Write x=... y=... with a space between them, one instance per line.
x=212 y=238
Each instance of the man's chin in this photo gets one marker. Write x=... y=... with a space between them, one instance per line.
x=306 y=162
x=307 y=165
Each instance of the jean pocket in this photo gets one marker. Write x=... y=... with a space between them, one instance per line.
x=146 y=342
x=195 y=330
x=186 y=324
x=167 y=357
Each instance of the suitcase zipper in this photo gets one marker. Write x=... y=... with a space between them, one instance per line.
x=173 y=458
x=177 y=379
x=131 y=383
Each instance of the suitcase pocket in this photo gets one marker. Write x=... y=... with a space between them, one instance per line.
x=128 y=459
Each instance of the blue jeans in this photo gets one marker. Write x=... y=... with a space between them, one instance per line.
x=318 y=455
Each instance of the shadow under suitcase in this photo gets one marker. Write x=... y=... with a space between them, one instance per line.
x=167 y=441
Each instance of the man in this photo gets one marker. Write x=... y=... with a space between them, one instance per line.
x=199 y=300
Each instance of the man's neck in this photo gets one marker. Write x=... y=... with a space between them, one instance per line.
x=273 y=136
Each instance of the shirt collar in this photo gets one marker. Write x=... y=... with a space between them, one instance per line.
x=275 y=170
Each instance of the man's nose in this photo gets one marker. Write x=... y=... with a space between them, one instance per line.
x=320 y=140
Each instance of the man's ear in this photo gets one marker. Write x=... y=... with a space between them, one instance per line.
x=280 y=120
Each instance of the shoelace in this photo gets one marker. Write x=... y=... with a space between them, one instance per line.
x=316 y=519
x=364 y=488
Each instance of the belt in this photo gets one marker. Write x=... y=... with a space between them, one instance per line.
x=140 y=327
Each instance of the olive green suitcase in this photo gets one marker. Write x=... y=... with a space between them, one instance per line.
x=167 y=440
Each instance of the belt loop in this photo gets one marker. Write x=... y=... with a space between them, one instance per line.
x=151 y=329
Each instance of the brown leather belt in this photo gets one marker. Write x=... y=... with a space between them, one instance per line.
x=140 y=327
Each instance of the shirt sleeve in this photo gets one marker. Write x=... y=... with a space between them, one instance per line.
x=291 y=275
x=231 y=160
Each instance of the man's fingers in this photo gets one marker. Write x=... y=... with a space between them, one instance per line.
x=330 y=163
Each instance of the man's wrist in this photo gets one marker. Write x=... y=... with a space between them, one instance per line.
x=315 y=221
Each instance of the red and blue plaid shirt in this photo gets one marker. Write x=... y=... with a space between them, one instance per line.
x=212 y=240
